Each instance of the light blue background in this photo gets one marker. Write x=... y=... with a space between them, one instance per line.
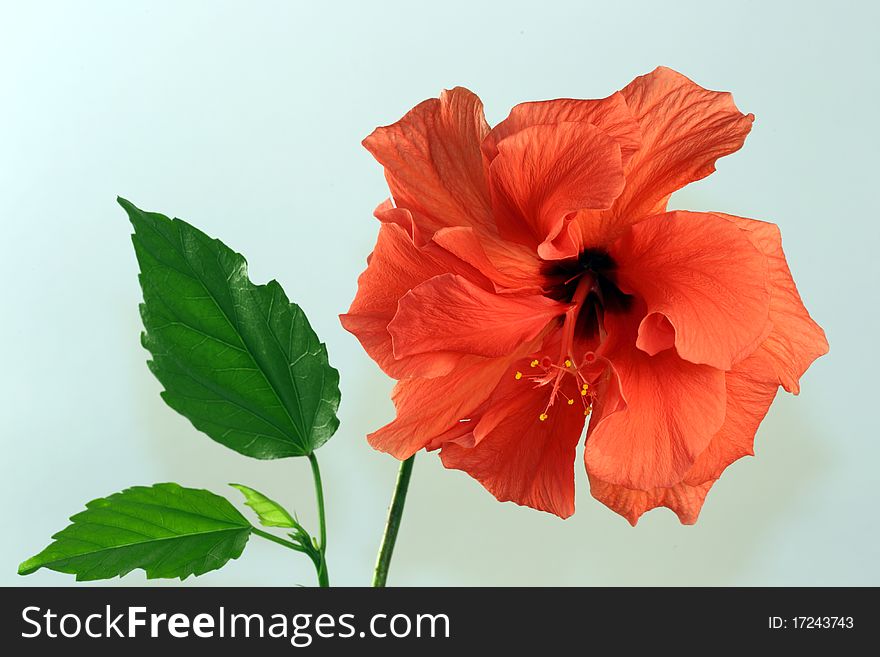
x=246 y=119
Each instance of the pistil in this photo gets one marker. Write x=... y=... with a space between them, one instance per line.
x=554 y=372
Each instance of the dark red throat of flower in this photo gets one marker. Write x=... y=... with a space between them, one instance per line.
x=588 y=284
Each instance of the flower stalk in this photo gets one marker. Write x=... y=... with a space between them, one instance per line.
x=392 y=526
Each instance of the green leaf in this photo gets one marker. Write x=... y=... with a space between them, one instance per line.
x=271 y=513
x=238 y=360
x=167 y=530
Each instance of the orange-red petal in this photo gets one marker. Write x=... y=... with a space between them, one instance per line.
x=544 y=173
x=429 y=408
x=450 y=314
x=433 y=163
x=611 y=115
x=396 y=266
x=524 y=459
x=705 y=278
x=751 y=389
x=796 y=340
x=685 y=501
x=684 y=130
x=673 y=408
x=749 y=395
x=510 y=266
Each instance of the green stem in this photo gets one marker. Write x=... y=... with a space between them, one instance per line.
x=275 y=539
x=323 y=576
x=395 y=512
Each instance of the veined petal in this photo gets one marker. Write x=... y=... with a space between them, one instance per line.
x=450 y=314
x=524 y=459
x=510 y=266
x=611 y=115
x=673 y=408
x=684 y=130
x=705 y=285
x=749 y=395
x=796 y=340
x=395 y=267
x=545 y=173
x=750 y=391
x=686 y=501
x=371 y=330
x=430 y=408
x=387 y=213
x=433 y=163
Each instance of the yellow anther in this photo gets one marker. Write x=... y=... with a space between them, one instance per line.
x=584 y=392
x=570 y=402
x=585 y=386
x=587 y=410
x=567 y=363
x=534 y=363
x=518 y=376
x=542 y=417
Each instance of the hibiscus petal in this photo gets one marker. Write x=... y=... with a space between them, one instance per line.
x=526 y=460
x=510 y=266
x=656 y=333
x=793 y=343
x=750 y=391
x=430 y=408
x=611 y=115
x=685 y=501
x=450 y=314
x=544 y=173
x=796 y=340
x=673 y=408
x=372 y=332
x=388 y=214
x=433 y=163
x=684 y=130
x=749 y=395
x=395 y=267
x=702 y=280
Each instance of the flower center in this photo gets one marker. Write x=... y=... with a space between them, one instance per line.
x=588 y=283
x=564 y=276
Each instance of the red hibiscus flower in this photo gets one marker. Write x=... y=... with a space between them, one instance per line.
x=528 y=281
